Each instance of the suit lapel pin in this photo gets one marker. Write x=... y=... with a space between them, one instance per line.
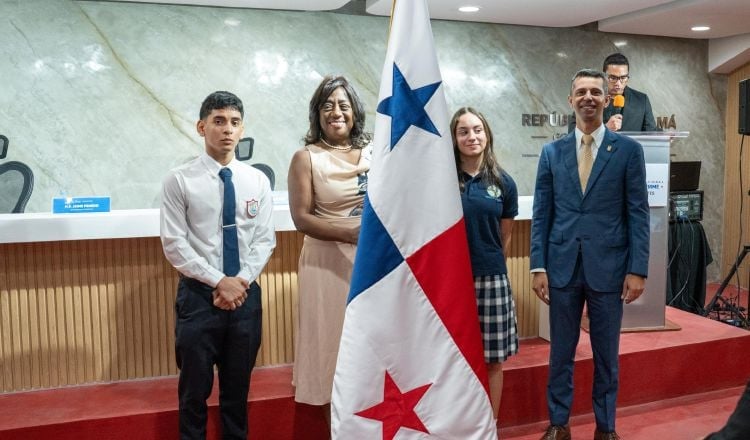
x=609 y=148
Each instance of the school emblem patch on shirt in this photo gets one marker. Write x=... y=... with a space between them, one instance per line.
x=494 y=191
x=251 y=208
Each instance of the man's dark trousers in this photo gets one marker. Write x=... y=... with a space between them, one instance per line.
x=605 y=318
x=206 y=336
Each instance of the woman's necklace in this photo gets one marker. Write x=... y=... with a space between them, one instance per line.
x=336 y=147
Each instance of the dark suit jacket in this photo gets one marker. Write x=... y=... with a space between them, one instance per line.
x=609 y=224
x=636 y=115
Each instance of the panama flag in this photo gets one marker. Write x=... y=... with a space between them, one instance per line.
x=410 y=363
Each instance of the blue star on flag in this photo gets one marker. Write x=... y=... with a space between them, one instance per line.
x=405 y=106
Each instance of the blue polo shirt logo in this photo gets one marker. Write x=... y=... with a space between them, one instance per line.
x=494 y=192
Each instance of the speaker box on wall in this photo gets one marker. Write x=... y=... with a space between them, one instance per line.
x=744 y=104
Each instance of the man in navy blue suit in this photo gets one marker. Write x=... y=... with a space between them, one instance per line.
x=589 y=244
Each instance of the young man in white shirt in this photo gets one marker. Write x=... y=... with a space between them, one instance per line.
x=217 y=231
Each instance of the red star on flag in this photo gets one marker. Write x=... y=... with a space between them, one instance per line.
x=397 y=409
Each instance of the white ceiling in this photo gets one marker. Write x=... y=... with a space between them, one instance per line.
x=729 y=19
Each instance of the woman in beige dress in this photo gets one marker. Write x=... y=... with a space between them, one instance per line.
x=327 y=184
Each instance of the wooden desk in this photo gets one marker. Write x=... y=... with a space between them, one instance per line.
x=78 y=309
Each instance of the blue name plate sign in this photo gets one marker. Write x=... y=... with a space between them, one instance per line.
x=68 y=205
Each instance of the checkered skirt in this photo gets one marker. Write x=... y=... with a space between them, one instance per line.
x=497 y=317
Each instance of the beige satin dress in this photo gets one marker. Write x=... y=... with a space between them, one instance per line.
x=324 y=273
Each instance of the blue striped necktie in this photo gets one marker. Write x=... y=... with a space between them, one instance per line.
x=231 y=253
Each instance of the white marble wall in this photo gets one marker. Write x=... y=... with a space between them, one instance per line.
x=101 y=98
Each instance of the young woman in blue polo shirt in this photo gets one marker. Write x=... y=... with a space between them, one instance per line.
x=490 y=201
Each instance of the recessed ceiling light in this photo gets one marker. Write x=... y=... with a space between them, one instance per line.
x=700 y=28
x=468 y=8
x=621 y=43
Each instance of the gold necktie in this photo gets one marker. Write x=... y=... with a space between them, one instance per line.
x=586 y=160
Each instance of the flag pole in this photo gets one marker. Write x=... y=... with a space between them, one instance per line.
x=390 y=21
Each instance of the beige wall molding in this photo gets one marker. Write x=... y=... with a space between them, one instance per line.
x=87 y=311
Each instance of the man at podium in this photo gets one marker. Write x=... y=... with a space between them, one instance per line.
x=628 y=109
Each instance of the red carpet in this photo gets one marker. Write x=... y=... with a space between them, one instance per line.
x=706 y=363
x=147 y=410
x=705 y=355
x=689 y=417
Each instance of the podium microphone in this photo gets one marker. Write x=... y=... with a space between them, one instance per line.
x=618 y=102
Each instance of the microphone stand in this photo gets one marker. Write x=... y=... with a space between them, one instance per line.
x=717 y=297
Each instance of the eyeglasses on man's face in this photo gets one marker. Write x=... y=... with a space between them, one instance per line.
x=614 y=78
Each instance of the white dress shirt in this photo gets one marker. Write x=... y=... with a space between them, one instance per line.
x=191 y=227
